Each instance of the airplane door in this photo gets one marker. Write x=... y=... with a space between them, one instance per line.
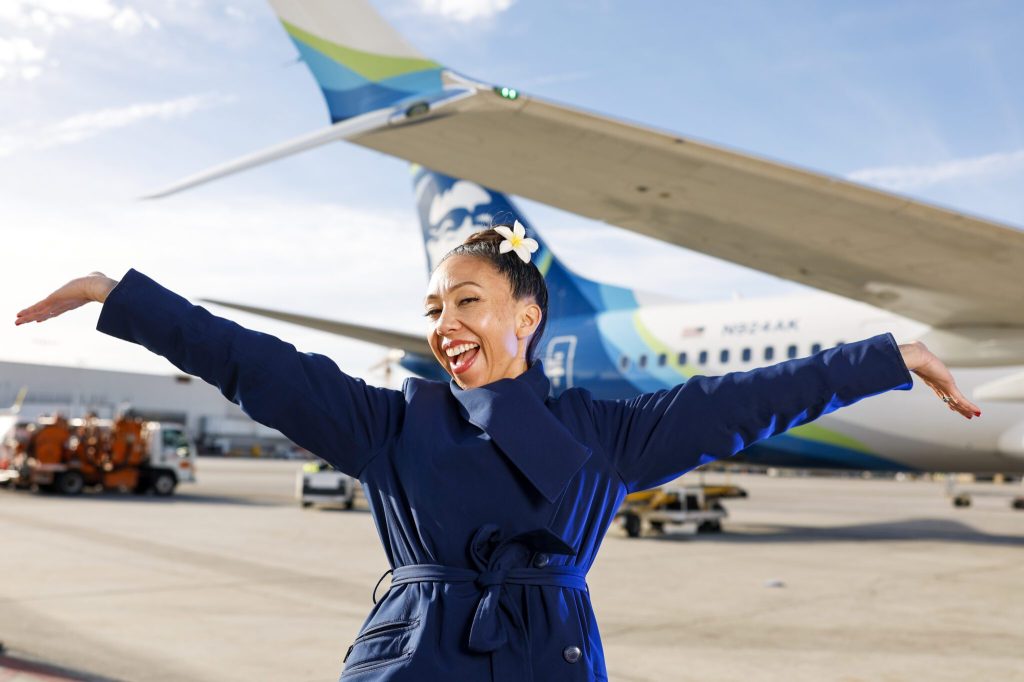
x=558 y=361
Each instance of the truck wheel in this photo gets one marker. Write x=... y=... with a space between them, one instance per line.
x=350 y=503
x=306 y=504
x=70 y=482
x=163 y=483
x=709 y=527
x=658 y=526
x=632 y=525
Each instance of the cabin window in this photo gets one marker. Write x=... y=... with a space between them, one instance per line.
x=682 y=358
x=746 y=355
x=703 y=357
x=791 y=351
x=815 y=348
x=723 y=355
x=624 y=362
x=769 y=352
x=662 y=359
x=643 y=361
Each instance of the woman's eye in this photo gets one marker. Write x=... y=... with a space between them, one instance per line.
x=430 y=313
x=467 y=299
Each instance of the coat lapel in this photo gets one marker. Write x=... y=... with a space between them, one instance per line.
x=513 y=412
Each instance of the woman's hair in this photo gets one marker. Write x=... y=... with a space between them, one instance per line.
x=524 y=278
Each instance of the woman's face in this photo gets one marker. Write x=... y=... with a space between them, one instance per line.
x=471 y=310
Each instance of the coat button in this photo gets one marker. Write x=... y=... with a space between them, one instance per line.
x=572 y=653
x=541 y=560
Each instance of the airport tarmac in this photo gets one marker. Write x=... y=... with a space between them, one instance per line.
x=813 y=579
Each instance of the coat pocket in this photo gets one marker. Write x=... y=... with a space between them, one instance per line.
x=380 y=644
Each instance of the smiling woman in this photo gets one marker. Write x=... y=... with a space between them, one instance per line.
x=488 y=309
x=491 y=495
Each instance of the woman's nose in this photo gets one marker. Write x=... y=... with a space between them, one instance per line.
x=447 y=321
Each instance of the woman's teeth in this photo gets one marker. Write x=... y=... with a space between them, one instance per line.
x=462 y=348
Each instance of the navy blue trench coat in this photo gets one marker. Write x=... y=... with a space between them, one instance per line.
x=492 y=502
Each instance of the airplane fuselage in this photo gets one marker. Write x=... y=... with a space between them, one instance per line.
x=617 y=354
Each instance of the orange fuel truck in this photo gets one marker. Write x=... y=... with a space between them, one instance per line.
x=127 y=453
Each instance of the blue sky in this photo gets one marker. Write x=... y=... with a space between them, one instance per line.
x=103 y=101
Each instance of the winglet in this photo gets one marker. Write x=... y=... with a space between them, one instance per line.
x=360 y=62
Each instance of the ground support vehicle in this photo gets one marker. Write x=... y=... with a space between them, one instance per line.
x=127 y=453
x=320 y=483
x=697 y=504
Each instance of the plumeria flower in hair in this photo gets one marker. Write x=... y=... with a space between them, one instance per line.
x=516 y=240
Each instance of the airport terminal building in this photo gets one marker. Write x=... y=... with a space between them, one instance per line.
x=216 y=424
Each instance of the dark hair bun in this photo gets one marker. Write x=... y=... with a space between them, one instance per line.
x=484 y=237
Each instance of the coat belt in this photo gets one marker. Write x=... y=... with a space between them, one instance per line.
x=487 y=632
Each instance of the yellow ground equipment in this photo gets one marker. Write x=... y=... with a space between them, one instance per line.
x=697 y=504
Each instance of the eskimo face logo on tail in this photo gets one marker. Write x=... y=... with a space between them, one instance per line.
x=453 y=215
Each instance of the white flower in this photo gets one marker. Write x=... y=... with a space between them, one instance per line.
x=516 y=240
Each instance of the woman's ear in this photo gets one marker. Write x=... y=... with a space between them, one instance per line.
x=527 y=320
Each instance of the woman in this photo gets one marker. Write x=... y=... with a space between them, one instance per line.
x=491 y=497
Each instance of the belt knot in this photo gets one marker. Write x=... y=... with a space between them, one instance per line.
x=500 y=561
x=487 y=579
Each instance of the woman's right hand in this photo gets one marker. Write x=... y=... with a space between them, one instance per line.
x=93 y=287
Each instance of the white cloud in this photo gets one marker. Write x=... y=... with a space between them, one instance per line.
x=360 y=265
x=130 y=21
x=464 y=11
x=19 y=50
x=50 y=16
x=20 y=58
x=84 y=126
x=915 y=177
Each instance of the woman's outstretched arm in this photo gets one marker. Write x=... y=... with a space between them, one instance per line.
x=659 y=436
x=304 y=395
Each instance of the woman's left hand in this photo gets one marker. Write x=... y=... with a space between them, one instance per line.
x=926 y=365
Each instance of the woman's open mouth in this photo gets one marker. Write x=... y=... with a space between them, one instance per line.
x=461 y=361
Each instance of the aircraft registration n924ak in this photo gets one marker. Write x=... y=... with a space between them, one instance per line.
x=959 y=289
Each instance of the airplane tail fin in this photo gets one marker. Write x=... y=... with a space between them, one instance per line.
x=360 y=62
x=451 y=209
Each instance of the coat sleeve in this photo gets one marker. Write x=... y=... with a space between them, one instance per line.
x=656 y=437
x=305 y=396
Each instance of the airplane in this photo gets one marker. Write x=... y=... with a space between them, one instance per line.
x=960 y=289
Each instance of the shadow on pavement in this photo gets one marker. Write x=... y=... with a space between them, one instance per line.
x=18 y=668
x=925 y=530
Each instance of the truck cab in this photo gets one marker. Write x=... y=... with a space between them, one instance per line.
x=172 y=458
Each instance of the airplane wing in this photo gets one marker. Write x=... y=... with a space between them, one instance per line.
x=949 y=270
x=924 y=262
x=920 y=261
x=410 y=343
